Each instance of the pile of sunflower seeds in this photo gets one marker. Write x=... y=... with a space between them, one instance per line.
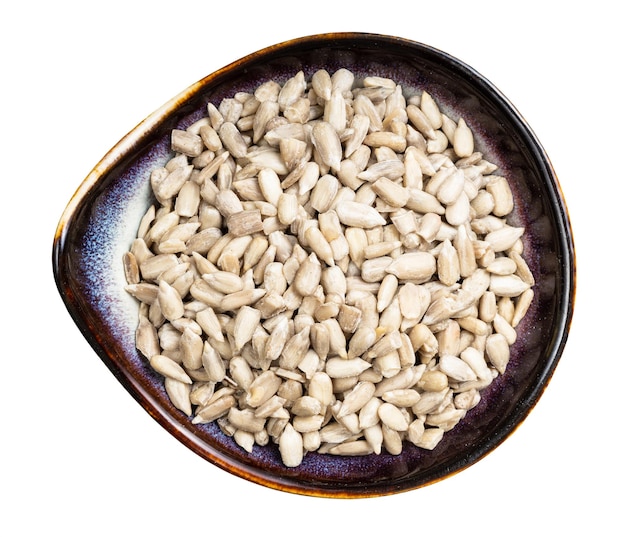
x=328 y=267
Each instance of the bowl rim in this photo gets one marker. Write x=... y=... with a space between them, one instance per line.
x=147 y=128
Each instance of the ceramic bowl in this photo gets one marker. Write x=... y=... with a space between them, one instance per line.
x=102 y=217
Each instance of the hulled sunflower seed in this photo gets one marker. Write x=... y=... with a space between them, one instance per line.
x=355 y=214
x=497 y=350
x=326 y=140
x=169 y=368
x=418 y=267
x=463 y=141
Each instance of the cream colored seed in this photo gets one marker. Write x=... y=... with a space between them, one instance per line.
x=381 y=249
x=401 y=397
x=169 y=368
x=448 y=264
x=266 y=158
x=191 y=346
x=245 y=223
x=269 y=183
x=241 y=372
x=335 y=111
x=318 y=244
x=262 y=388
x=354 y=214
x=155 y=265
x=246 y=320
x=392 y=440
x=507 y=286
x=429 y=402
x=273 y=407
x=274 y=280
x=344 y=368
x=504 y=238
x=521 y=308
x=207 y=319
x=247 y=297
x=277 y=340
x=458 y=212
x=433 y=381
x=334 y=283
x=420 y=121
x=321 y=83
x=202 y=393
x=451 y=187
x=416 y=431
x=336 y=338
x=246 y=420
x=386 y=292
x=463 y=141
x=308 y=424
x=293 y=152
x=502 y=326
x=146 y=338
x=523 y=271
x=497 y=350
x=465 y=250
x=324 y=192
x=357 y=242
x=186 y=142
x=415 y=266
x=473 y=325
x=308 y=276
x=476 y=360
x=374 y=270
x=456 y=368
x=392 y=417
x=502 y=196
x=390 y=169
x=406 y=354
x=422 y=202
x=173 y=182
x=349 y=318
x=213 y=363
x=287 y=208
x=292 y=90
x=224 y=282
x=295 y=349
x=431 y=110
x=144 y=292
x=352 y=448
x=392 y=193
x=253 y=253
x=502 y=266
x=357 y=398
x=214 y=409
x=188 y=199
x=179 y=392
x=233 y=140
x=386 y=344
x=326 y=140
x=430 y=438
x=291 y=446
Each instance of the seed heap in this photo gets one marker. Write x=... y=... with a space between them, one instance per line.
x=329 y=268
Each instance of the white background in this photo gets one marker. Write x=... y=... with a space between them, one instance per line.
x=79 y=457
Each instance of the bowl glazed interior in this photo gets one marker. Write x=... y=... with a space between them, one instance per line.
x=102 y=218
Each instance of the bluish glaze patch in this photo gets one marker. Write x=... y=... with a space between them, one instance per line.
x=111 y=228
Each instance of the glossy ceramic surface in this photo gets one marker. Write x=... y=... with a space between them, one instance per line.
x=101 y=220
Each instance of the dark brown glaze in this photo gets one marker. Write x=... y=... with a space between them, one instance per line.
x=102 y=218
